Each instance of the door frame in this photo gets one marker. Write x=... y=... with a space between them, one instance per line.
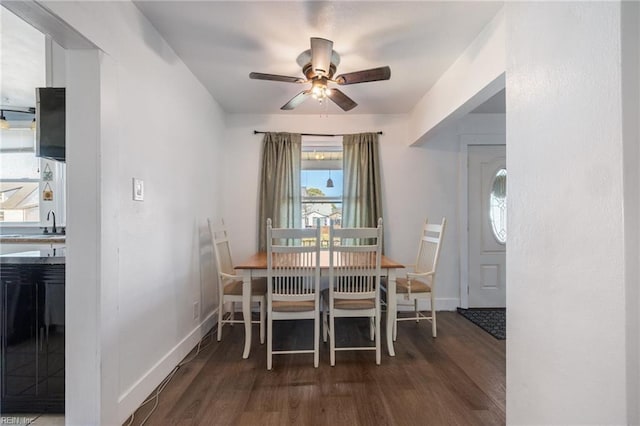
x=463 y=203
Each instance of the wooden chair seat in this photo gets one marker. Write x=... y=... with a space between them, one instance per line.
x=297 y=306
x=349 y=303
x=417 y=286
x=258 y=287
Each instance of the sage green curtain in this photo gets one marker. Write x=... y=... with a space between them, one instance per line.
x=280 y=189
x=361 y=193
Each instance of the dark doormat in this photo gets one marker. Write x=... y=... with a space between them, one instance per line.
x=491 y=320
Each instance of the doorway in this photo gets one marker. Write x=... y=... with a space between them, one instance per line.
x=487 y=232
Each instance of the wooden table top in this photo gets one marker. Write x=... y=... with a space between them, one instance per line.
x=259 y=261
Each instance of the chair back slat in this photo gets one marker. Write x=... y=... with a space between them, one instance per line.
x=429 y=249
x=293 y=263
x=354 y=266
x=221 y=248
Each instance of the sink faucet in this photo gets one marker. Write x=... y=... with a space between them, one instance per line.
x=53 y=229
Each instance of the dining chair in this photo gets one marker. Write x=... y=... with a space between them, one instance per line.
x=230 y=283
x=293 y=283
x=420 y=284
x=354 y=283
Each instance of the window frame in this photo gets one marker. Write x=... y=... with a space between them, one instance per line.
x=325 y=145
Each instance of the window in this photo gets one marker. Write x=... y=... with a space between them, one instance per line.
x=321 y=179
x=23 y=69
x=19 y=177
x=498 y=206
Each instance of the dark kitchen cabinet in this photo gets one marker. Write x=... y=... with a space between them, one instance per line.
x=32 y=337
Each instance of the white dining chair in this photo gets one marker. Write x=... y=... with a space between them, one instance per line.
x=293 y=280
x=354 y=283
x=230 y=283
x=420 y=284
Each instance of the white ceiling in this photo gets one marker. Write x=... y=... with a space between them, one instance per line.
x=223 y=41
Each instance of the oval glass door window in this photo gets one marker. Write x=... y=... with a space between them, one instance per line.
x=498 y=206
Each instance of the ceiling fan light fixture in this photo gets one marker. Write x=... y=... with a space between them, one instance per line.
x=318 y=89
x=319 y=66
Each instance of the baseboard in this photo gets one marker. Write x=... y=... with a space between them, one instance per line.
x=131 y=399
x=442 y=304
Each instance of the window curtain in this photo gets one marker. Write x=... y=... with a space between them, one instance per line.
x=362 y=201
x=280 y=188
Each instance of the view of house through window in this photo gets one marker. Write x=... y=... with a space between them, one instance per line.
x=322 y=186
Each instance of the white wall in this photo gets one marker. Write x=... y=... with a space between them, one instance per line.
x=565 y=263
x=631 y=135
x=148 y=118
x=418 y=182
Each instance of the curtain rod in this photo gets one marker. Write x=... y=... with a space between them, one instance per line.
x=255 y=132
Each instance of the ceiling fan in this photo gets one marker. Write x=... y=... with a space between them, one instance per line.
x=319 y=66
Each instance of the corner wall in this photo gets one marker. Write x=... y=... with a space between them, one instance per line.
x=135 y=269
x=631 y=133
x=566 y=349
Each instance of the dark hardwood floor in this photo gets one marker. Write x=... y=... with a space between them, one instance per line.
x=456 y=379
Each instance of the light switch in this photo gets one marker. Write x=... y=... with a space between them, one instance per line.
x=138 y=189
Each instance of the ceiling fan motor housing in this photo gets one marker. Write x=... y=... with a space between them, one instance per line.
x=310 y=73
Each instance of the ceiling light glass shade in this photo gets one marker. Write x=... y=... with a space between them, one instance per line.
x=319 y=90
x=329 y=183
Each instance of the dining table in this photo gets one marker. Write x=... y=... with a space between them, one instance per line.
x=256 y=266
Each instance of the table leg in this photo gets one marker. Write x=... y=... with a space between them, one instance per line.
x=246 y=311
x=391 y=309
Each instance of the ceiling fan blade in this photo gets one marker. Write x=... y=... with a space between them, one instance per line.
x=274 y=77
x=374 y=74
x=296 y=100
x=343 y=101
x=321 y=51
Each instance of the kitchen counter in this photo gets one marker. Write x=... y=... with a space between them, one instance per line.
x=33 y=239
x=55 y=256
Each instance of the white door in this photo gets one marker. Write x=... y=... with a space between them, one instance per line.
x=487 y=226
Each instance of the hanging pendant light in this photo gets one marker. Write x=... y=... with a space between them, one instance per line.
x=4 y=124
x=329 y=181
x=33 y=124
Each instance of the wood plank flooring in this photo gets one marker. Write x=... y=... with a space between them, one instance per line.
x=456 y=379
